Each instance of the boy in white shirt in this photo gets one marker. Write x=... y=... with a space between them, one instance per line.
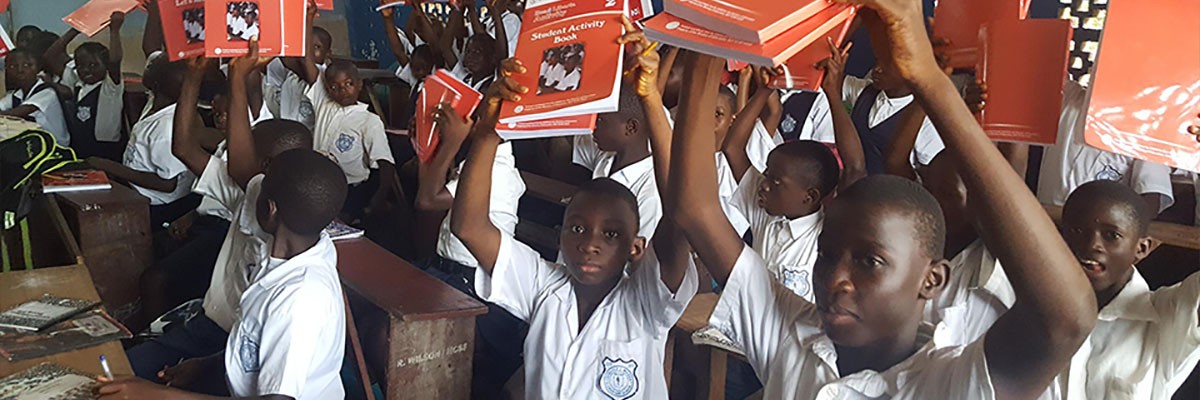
x=594 y=331
x=285 y=88
x=278 y=255
x=1146 y=342
x=30 y=96
x=880 y=260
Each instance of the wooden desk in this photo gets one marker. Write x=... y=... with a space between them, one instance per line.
x=112 y=228
x=704 y=366
x=70 y=281
x=431 y=326
x=548 y=189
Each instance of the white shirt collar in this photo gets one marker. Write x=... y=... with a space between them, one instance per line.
x=269 y=275
x=1132 y=303
x=875 y=384
x=798 y=226
x=628 y=174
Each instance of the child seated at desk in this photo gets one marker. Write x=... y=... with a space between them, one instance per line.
x=94 y=77
x=31 y=96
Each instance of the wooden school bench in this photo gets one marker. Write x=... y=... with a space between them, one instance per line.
x=429 y=329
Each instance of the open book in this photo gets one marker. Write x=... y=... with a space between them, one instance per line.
x=84 y=330
x=280 y=26
x=48 y=381
x=42 y=312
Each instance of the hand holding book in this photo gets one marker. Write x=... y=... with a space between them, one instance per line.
x=241 y=66
x=644 y=66
x=835 y=67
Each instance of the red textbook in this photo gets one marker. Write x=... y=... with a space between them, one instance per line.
x=640 y=9
x=752 y=21
x=278 y=24
x=75 y=181
x=565 y=126
x=183 y=27
x=95 y=14
x=324 y=4
x=1139 y=107
x=960 y=20
x=672 y=30
x=6 y=43
x=800 y=72
x=440 y=87
x=573 y=61
x=1025 y=66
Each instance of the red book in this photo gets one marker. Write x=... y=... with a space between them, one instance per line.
x=565 y=126
x=183 y=27
x=440 y=87
x=279 y=25
x=960 y=20
x=1025 y=67
x=753 y=21
x=75 y=181
x=678 y=32
x=95 y=14
x=573 y=61
x=800 y=72
x=324 y=4
x=640 y=9
x=6 y=43
x=1139 y=107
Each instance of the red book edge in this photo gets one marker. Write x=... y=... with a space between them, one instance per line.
x=90 y=19
x=1021 y=94
x=773 y=26
x=772 y=53
x=800 y=72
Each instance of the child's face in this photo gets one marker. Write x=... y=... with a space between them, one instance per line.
x=598 y=237
x=612 y=132
x=782 y=193
x=871 y=274
x=319 y=49
x=724 y=120
x=220 y=113
x=1105 y=239
x=20 y=70
x=421 y=67
x=475 y=57
x=342 y=88
x=90 y=67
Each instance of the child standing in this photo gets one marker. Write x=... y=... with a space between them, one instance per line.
x=95 y=77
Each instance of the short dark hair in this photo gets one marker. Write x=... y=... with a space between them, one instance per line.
x=887 y=191
x=308 y=190
x=1114 y=194
x=629 y=107
x=275 y=136
x=323 y=35
x=28 y=30
x=342 y=66
x=96 y=49
x=424 y=52
x=609 y=188
x=727 y=95
x=819 y=165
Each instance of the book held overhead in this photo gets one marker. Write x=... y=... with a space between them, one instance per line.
x=183 y=27
x=440 y=87
x=1024 y=64
x=94 y=16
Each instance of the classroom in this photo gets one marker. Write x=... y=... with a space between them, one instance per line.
x=520 y=199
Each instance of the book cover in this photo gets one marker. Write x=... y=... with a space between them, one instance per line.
x=574 y=62
x=440 y=87
x=48 y=381
x=339 y=231
x=183 y=27
x=800 y=71
x=1025 y=66
x=675 y=31
x=565 y=126
x=42 y=312
x=324 y=4
x=84 y=330
x=1141 y=108
x=75 y=181
x=960 y=20
x=95 y=14
x=641 y=9
x=278 y=24
x=6 y=43
x=753 y=21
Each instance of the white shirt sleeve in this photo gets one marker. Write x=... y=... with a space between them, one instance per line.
x=745 y=201
x=928 y=144
x=1179 y=333
x=756 y=312
x=6 y=102
x=44 y=99
x=820 y=120
x=955 y=372
x=584 y=152
x=166 y=165
x=291 y=337
x=518 y=278
x=316 y=92
x=215 y=183
x=660 y=306
x=375 y=143
x=1148 y=177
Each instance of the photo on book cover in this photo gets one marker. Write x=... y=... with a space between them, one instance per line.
x=561 y=69
x=241 y=20
x=193 y=24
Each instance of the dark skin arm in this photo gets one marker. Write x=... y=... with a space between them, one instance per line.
x=184 y=144
x=56 y=56
x=152 y=38
x=498 y=22
x=1055 y=308
x=22 y=111
x=393 y=35
x=664 y=67
x=897 y=161
x=455 y=27
x=115 y=51
x=243 y=158
x=849 y=145
x=431 y=190
x=120 y=172
x=734 y=147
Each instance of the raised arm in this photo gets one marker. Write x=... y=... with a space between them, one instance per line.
x=734 y=147
x=432 y=194
x=845 y=135
x=664 y=67
x=243 y=159
x=469 y=216
x=1055 y=309
x=692 y=199
x=184 y=144
x=56 y=55
x=152 y=37
x=501 y=34
x=393 y=35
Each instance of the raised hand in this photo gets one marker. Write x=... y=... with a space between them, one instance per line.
x=505 y=88
x=452 y=128
x=116 y=20
x=899 y=25
x=835 y=67
x=644 y=68
x=242 y=65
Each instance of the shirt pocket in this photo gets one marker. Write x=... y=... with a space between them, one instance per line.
x=621 y=368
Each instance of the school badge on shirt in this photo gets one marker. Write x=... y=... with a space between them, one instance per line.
x=84 y=113
x=619 y=379
x=788 y=125
x=797 y=281
x=248 y=353
x=344 y=142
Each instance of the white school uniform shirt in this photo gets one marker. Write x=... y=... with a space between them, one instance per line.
x=291 y=337
x=570 y=81
x=507 y=189
x=928 y=143
x=512 y=29
x=149 y=150
x=976 y=294
x=637 y=177
x=109 y=103
x=1144 y=345
x=49 y=112
x=788 y=247
x=244 y=246
x=618 y=353
x=783 y=341
x=1071 y=162
x=208 y=205
x=726 y=186
x=351 y=134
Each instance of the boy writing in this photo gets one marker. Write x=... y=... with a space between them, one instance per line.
x=881 y=260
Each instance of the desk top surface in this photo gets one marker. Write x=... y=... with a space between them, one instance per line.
x=695 y=316
x=70 y=281
x=398 y=287
x=548 y=189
